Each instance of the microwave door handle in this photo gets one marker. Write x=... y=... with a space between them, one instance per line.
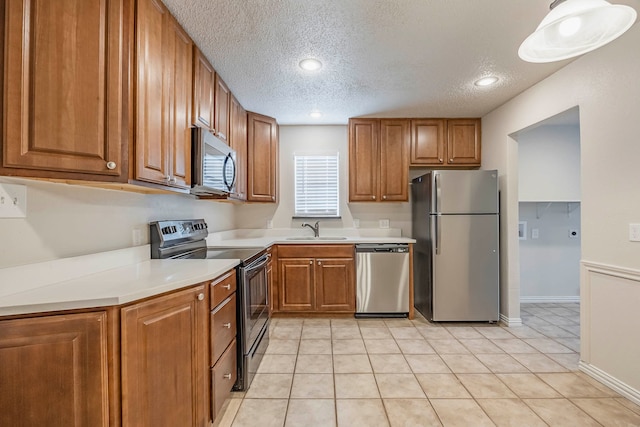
x=224 y=172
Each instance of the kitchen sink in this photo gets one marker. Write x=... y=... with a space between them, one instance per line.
x=315 y=238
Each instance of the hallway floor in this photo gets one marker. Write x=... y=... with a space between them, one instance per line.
x=397 y=372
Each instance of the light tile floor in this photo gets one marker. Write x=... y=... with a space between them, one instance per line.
x=397 y=372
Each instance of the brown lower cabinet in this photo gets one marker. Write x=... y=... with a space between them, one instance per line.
x=164 y=360
x=316 y=278
x=169 y=360
x=53 y=371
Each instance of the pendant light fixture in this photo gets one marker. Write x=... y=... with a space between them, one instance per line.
x=574 y=27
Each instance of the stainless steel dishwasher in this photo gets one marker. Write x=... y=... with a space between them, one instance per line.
x=382 y=276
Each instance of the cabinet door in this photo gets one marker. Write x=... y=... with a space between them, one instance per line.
x=463 y=141
x=428 y=142
x=238 y=141
x=221 y=109
x=65 y=71
x=262 y=150
x=296 y=289
x=394 y=160
x=152 y=97
x=335 y=285
x=203 y=84
x=53 y=371
x=363 y=160
x=164 y=360
x=179 y=69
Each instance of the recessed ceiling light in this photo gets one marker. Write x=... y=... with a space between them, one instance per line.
x=315 y=114
x=310 y=64
x=486 y=81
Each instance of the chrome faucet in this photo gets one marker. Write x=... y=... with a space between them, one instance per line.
x=315 y=228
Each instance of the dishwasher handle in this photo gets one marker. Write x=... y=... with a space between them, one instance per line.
x=382 y=248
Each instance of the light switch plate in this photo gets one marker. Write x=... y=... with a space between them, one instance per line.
x=535 y=233
x=356 y=223
x=269 y=223
x=13 y=201
x=634 y=232
x=384 y=223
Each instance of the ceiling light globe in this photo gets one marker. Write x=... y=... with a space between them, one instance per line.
x=310 y=64
x=315 y=114
x=575 y=27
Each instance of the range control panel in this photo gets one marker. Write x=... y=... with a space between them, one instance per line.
x=171 y=231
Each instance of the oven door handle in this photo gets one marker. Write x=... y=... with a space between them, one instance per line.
x=253 y=267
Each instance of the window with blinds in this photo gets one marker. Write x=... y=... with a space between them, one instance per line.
x=316 y=185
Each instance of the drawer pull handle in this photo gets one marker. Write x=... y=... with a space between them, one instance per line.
x=200 y=297
x=227 y=325
x=227 y=376
x=227 y=287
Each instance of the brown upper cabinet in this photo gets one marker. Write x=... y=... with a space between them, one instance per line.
x=204 y=80
x=379 y=160
x=164 y=53
x=262 y=160
x=238 y=141
x=445 y=142
x=66 y=91
x=221 y=110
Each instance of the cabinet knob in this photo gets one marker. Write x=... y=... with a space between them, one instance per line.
x=226 y=325
x=200 y=297
x=167 y=178
x=384 y=197
x=273 y=198
x=450 y=160
x=319 y=262
x=440 y=160
x=373 y=197
x=111 y=165
x=173 y=180
x=310 y=262
x=227 y=376
x=227 y=287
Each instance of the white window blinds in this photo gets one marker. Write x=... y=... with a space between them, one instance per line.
x=316 y=185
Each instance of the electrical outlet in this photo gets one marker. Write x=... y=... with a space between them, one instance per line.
x=269 y=223
x=13 y=201
x=634 y=232
x=356 y=223
x=383 y=223
x=136 y=236
x=535 y=233
x=574 y=233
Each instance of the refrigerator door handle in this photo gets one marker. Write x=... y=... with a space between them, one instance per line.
x=436 y=179
x=437 y=232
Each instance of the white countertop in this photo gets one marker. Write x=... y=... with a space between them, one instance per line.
x=267 y=237
x=126 y=275
x=114 y=286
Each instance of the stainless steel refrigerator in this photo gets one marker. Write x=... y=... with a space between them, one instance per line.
x=455 y=220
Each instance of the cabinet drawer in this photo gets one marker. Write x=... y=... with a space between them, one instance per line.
x=222 y=287
x=223 y=377
x=315 y=251
x=223 y=327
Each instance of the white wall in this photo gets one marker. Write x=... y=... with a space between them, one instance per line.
x=550 y=264
x=549 y=164
x=604 y=85
x=68 y=220
x=318 y=140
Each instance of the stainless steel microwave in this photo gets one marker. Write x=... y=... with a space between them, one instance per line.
x=214 y=164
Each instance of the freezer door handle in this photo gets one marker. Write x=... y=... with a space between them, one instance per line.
x=436 y=179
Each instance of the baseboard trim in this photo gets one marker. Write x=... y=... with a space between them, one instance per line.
x=624 y=389
x=558 y=299
x=510 y=321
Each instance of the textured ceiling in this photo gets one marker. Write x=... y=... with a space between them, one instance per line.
x=382 y=58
